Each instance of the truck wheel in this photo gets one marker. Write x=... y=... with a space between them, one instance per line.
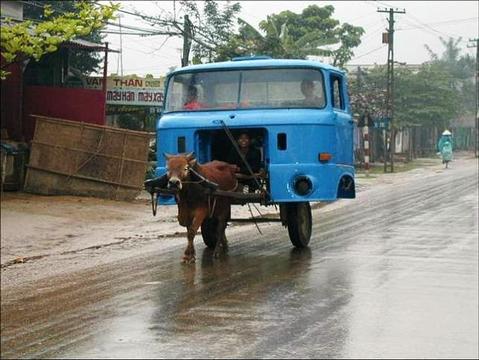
x=208 y=232
x=299 y=222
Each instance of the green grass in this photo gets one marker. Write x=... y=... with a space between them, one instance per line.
x=400 y=166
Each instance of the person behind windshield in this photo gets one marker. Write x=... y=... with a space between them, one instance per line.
x=252 y=156
x=192 y=102
x=310 y=99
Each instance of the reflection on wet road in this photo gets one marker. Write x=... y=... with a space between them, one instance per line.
x=391 y=274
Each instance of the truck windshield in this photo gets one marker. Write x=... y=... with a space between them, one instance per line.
x=240 y=89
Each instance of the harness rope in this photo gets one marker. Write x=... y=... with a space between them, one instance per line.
x=211 y=207
x=203 y=179
x=235 y=145
x=255 y=178
x=254 y=219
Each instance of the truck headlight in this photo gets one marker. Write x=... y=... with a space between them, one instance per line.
x=302 y=185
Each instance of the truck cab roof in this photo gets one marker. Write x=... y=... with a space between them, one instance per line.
x=257 y=62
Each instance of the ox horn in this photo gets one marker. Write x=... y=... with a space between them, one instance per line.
x=167 y=156
x=190 y=156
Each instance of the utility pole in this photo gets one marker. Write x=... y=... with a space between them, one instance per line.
x=187 y=38
x=390 y=84
x=476 y=137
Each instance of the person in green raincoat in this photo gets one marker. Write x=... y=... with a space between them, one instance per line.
x=445 y=146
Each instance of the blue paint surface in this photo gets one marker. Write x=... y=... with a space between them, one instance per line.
x=309 y=132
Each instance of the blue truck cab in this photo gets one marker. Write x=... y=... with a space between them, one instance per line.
x=297 y=111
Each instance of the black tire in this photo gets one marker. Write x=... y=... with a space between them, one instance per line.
x=300 y=222
x=209 y=232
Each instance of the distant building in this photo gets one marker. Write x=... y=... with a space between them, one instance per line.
x=46 y=87
x=353 y=68
x=12 y=9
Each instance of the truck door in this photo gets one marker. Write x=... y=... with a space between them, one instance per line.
x=344 y=121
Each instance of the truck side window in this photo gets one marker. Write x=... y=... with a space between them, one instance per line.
x=337 y=98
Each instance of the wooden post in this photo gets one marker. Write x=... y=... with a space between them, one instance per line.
x=366 y=148
x=105 y=72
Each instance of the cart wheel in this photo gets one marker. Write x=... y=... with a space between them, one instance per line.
x=299 y=221
x=208 y=232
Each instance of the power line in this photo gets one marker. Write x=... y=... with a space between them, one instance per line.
x=361 y=17
x=369 y=52
x=145 y=17
x=384 y=4
x=150 y=53
x=450 y=35
x=161 y=46
x=136 y=28
x=455 y=20
x=141 y=31
x=426 y=27
x=444 y=23
x=377 y=29
x=369 y=3
x=125 y=33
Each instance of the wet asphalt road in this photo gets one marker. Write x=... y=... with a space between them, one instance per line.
x=393 y=273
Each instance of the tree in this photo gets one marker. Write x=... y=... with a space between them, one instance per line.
x=291 y=35
x=214 y=31
x=205 y=31
x=421 y=98
x=425 y=98
x=85 y=61
x=29 y=39
x=367 y=91
x=461 y=67
x=432 y=96
x=461 y=70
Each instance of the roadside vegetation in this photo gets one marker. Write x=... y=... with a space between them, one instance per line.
x=43 y=31
x=428 y=97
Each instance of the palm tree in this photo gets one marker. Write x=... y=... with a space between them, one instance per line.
x=278 y=42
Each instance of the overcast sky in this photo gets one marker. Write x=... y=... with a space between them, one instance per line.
x=423 y=23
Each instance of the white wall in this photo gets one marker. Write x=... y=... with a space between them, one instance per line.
x=12 y=9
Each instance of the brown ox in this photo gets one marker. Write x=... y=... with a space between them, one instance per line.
x=195 y=204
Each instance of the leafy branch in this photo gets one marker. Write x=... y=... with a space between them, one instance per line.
x=28 y=39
